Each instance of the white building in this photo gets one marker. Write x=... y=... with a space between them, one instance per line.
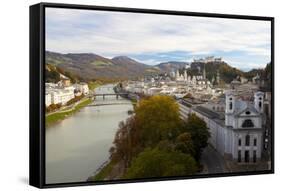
x=51 y=85
x=154 y=91
x=48 y=99
x=244 y=123
x=208 y=59
x=61 y=96
x=82 y=87
x=179 y=77
x=237 y=134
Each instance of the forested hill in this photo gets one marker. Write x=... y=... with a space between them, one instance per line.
x=92 y=66
x=227 y=72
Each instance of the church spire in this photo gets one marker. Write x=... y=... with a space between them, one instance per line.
x=204 y=72
x=218 y=77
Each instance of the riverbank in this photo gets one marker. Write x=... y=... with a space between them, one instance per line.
x=58 y=116
x=94 y=85
x=110 y=171
x=103 y=173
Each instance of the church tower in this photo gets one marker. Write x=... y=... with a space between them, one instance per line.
x=229 y=108
x=204 y=73
x=177 y=74
x=218 y=77
x=213 y=80
x=259 y=98
x=229 y=102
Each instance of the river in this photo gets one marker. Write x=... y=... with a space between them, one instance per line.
x=78 y=145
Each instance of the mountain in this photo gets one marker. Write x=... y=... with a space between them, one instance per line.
x=88 y=66
x=92 y=66
x=171 y=66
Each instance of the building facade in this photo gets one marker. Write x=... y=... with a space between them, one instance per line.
x=62 y=96
x=48 y=99
x=236 y=133
x=243 y=124
x=82 y=87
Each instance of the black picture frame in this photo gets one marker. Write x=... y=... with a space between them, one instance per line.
x=37 y=91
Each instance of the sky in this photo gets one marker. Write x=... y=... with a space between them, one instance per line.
x=152 y=39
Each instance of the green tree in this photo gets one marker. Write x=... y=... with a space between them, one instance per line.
x=52 y=76
x=161 y=163
x=184 y=144
x=199 y=133
x=159 y=119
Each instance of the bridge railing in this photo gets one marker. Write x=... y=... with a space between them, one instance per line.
x=110 y=94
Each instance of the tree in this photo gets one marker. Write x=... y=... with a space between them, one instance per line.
x=160 y=163
x=199 y=133
x=184 y=144
x=159 y=119
x=126 y=142
x=52 y=76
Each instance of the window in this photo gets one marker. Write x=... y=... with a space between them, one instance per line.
x=239 y=142
x=254 y=156
x=230 y=105
x=247 y=157
x=248 y=112
x=247 y=140
x=255 y=142
x=239 y=156
x=248 y=123
x=259 y=104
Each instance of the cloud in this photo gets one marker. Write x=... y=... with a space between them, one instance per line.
x=117 y=33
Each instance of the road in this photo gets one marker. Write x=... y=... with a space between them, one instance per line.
x=212 y=160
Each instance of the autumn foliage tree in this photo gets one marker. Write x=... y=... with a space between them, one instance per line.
x=155 y=142
x=126 y=142
x=159 y=119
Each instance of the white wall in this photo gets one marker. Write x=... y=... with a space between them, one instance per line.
x=14 y=119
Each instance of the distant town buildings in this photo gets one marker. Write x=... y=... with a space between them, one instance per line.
x=179 y=83
x=63 y=91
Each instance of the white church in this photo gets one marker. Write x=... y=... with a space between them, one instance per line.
x=243 y=128
x=238 y=135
